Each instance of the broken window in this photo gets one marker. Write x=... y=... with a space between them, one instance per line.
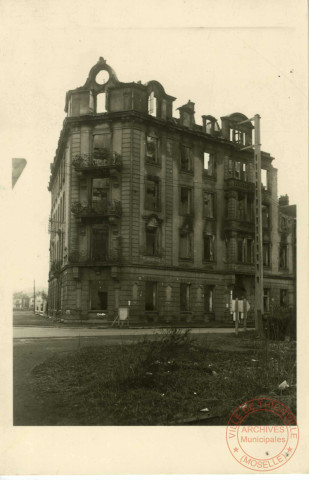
x=208 y=205
x=208 y=298
x=99 y=244
x=152 y=237
x=151 y=296
x=266 y=295
x=264 y=178
x=152 y=194
x=265 y=216
x=185 y=245
x=250 y=209
x=186 y=159
x=184 y=297
x=99 y=194
x=250 y=250
x=209 y=163
x=101 y=103
x=242 y=206
x=152 y=149
x=266 y=254
x=152 y=105
x=101 y=146
x=231 y=167
x=209 y=241
x=244 y=172
x=240 y=250
x=283 y=256
x=283 y=297
x=237 y=136
x=185 y=201
x=98 y=295
x=237 y=169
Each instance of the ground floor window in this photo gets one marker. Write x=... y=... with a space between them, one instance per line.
x=151 y=296
x=98 y=295
x=184 y=297
x=208 y=298
x=266 y=295
x=283 y=297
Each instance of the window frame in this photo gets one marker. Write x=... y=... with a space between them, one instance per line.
x=154 y=295
x=191 y=199
x=157 y=205
x=186 y=148
x=185 y=297
x=209 y=305
x=212 y=247
x=153 y=139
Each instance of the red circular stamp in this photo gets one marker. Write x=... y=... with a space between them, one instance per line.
x=262 y=434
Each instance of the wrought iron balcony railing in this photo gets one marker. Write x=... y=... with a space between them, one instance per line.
x=243 y=185
x=102 y=158
x=83 y=257
x=108 y=208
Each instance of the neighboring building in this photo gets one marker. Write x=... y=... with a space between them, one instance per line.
x=40 y=303
x=158 y=211
x=20 y=301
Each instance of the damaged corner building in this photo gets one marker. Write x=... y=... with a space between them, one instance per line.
x=157 y=212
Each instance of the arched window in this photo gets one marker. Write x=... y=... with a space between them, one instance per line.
x=101 y=103
x=152 y=105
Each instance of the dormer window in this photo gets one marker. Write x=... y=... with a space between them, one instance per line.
x=101 y=103
x=237 y=136
x=152 y=105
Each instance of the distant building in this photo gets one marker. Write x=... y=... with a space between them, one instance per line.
x=21 y=301
x=40 y=303
x=158 y=211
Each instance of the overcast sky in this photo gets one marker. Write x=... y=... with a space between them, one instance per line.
x=226 y=56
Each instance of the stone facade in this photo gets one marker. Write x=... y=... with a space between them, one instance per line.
x=158 y=212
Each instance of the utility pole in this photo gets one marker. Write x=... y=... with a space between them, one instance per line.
x=258 y=227
x=258 y=248
x=34 y=296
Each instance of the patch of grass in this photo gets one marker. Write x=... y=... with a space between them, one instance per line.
x=160 y=381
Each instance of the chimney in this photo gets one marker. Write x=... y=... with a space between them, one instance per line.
x=283 y=200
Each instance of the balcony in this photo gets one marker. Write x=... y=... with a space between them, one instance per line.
x=103 y=161
x=83 y=258
x=110 y=209
x=239 y=225
x=240 y=185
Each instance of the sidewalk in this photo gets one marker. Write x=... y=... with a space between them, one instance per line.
x=68 y=332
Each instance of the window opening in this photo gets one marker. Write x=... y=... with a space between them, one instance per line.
x=151 y=149
x=151 y=296
x=152 y=105
x=185 y=201
x=184 y=297
x=186 y=159
x=208 y=247
x=208 y=205
x=152 y=194
x=101 y=103
x=208 y=299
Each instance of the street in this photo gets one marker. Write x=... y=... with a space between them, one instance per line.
x=40 y=339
